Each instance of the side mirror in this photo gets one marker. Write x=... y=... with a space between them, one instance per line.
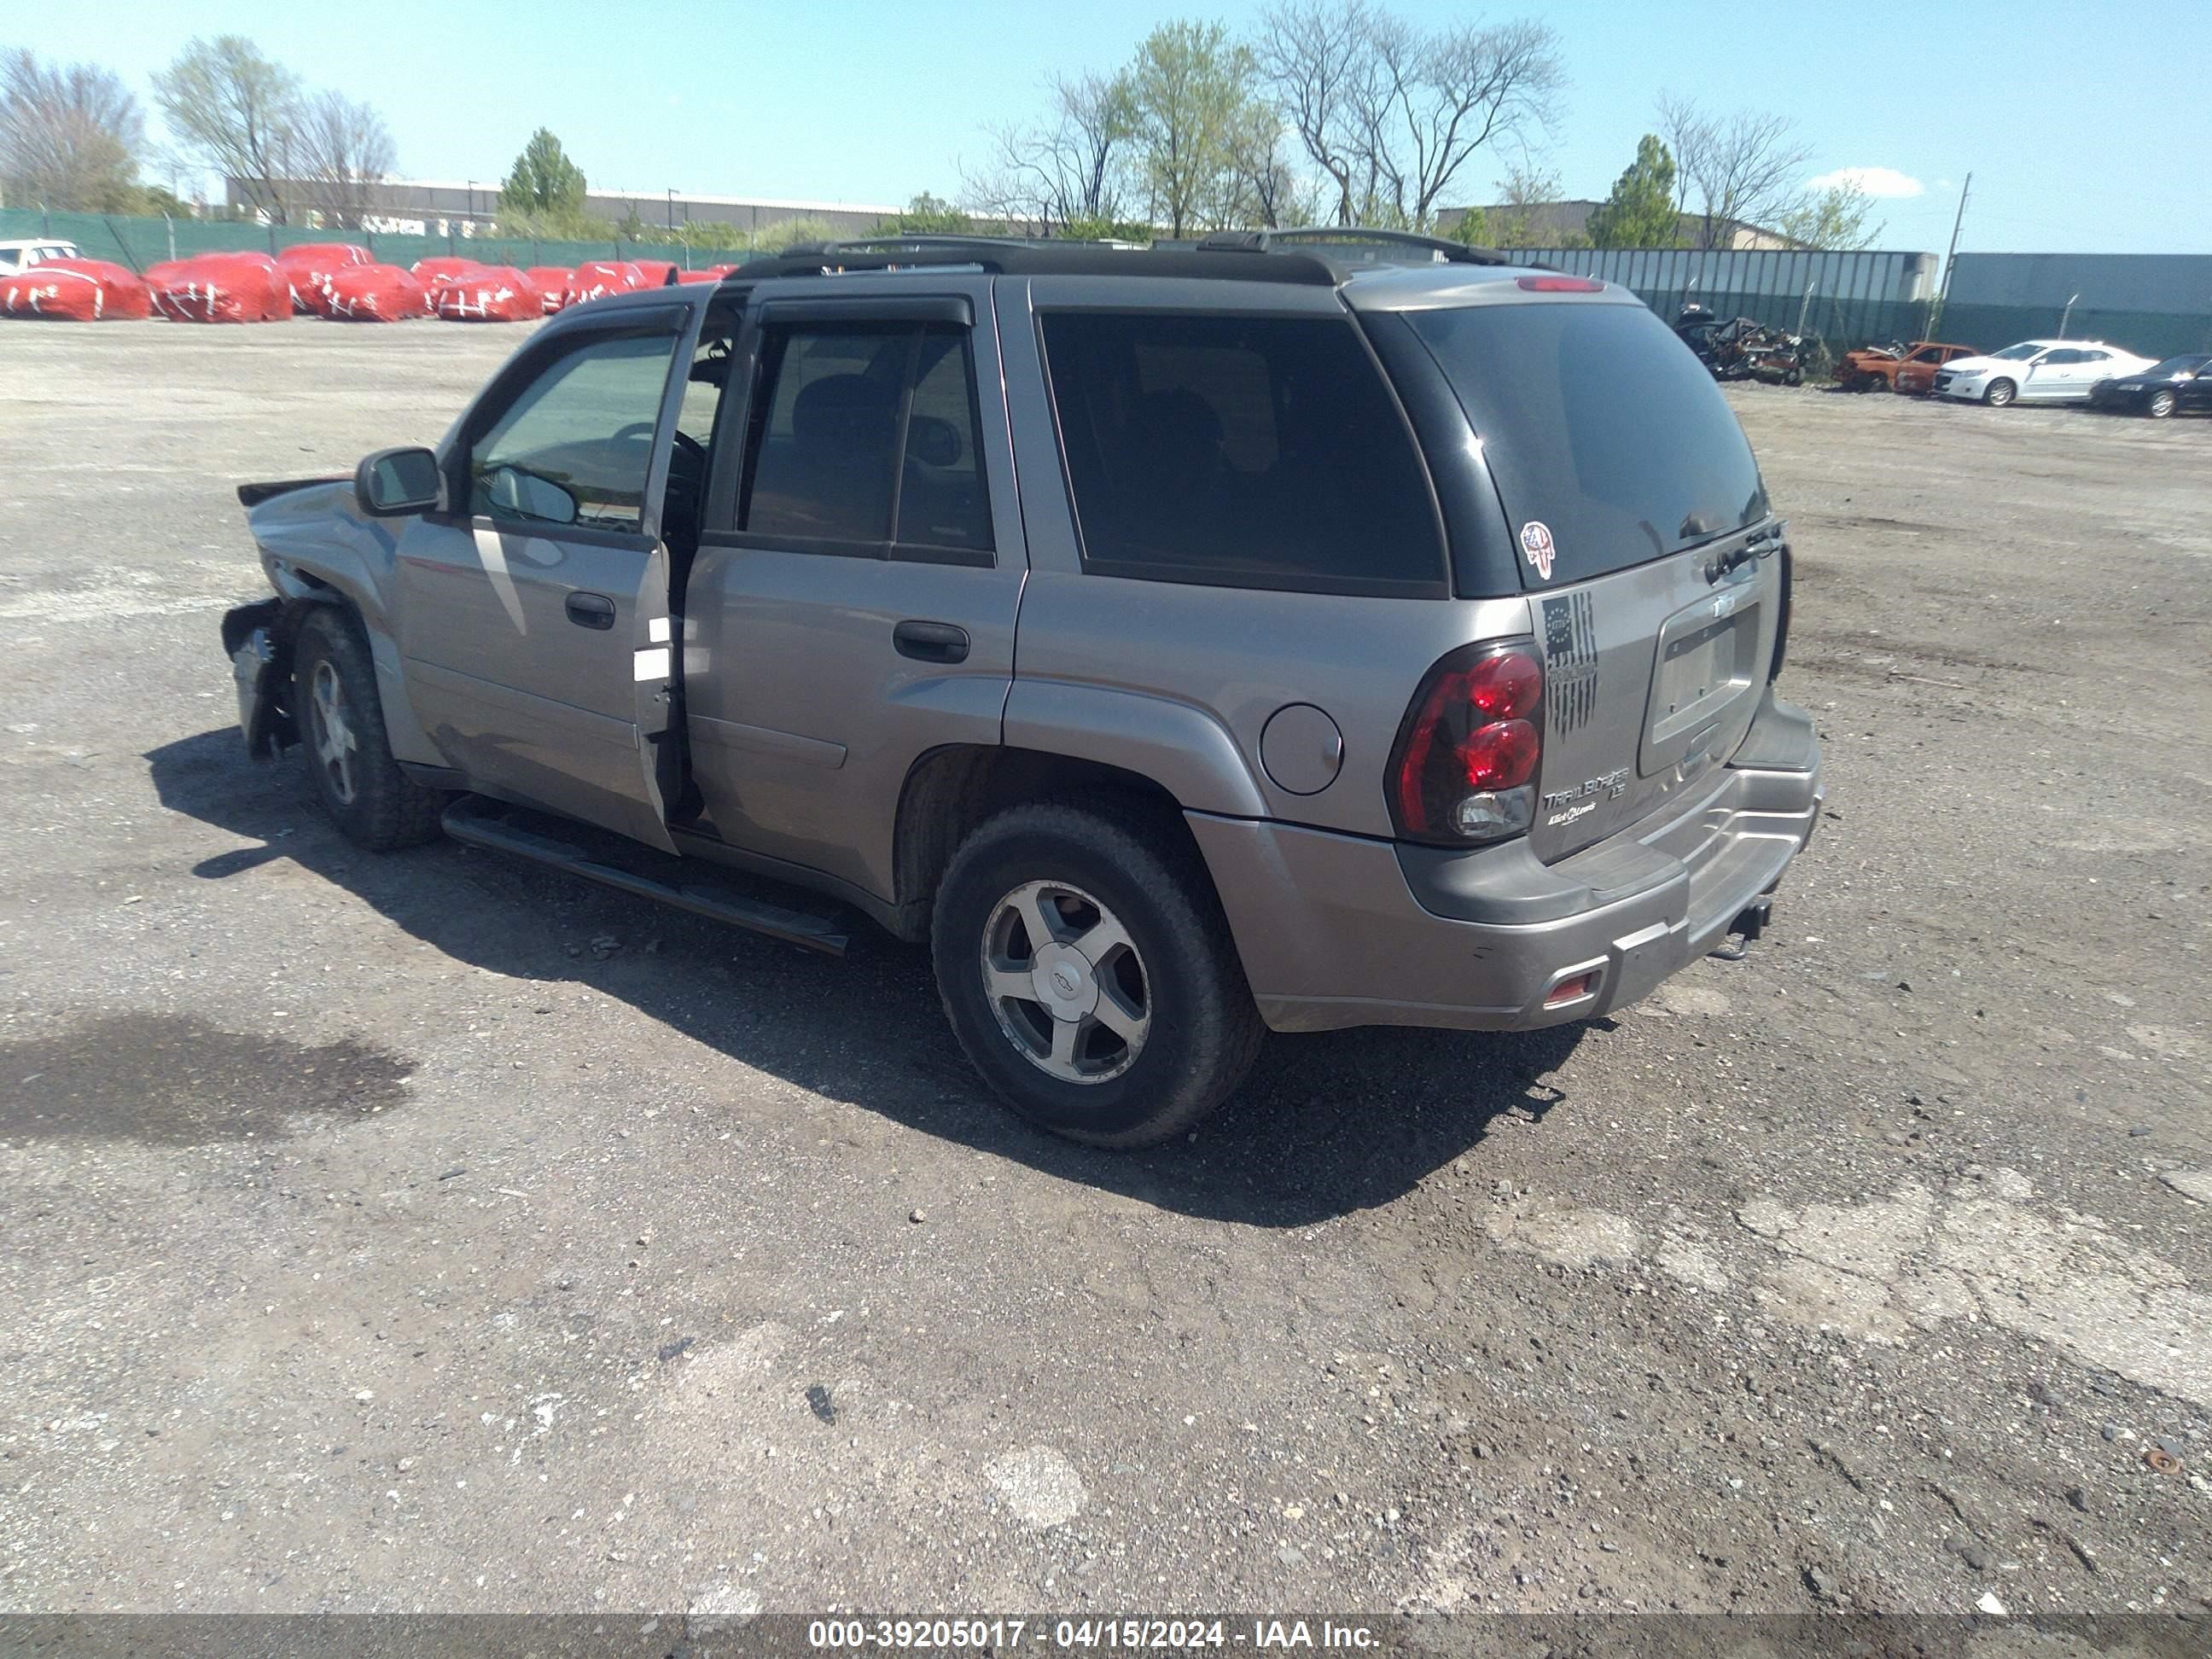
x=517 y=493
x=394 y=483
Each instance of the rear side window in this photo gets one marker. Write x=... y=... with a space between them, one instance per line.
x=1609 y=442
x=867 y=439
x=1241 y=452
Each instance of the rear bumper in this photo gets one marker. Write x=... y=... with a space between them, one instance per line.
x=1338 y=930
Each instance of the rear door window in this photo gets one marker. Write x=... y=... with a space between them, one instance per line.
x=1240 y=451
x=1609 y=440
x=867 y=439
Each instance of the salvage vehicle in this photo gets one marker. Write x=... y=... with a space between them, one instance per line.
x=1896 y=367
x=1185 y=643
x=1742 y=348
x=2036 y=371
x=2178 y=383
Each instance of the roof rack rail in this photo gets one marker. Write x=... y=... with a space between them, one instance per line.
x=1040 y=256
x=1304 y=236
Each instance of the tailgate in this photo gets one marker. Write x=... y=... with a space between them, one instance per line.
x=1651 y=676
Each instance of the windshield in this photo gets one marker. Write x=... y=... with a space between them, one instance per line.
x=1599 y=427
x=2174 y=366
x=2021 y=353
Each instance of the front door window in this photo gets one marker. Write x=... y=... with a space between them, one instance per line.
x=576 y=447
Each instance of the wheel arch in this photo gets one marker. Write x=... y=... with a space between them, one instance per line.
x=306 y=592
x=951 y=790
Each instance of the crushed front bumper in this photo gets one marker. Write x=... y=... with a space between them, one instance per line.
x=1338 y=930
x=249 y=639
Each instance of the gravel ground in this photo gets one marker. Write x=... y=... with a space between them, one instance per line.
x=431 y=1232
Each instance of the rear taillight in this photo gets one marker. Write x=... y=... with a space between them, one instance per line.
x=1465 y=765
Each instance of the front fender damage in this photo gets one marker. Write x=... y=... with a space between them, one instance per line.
x=258 y=638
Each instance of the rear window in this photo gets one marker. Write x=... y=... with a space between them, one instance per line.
x=1242 y=451
x=1603 y=431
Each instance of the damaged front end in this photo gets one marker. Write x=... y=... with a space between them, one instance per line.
x=257 y=638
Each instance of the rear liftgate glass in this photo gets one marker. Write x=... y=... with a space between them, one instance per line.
x=1639 y=529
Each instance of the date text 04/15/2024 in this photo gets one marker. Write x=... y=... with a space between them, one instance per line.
x=1084 y=1635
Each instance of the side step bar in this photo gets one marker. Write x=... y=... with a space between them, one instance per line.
x=483 y=822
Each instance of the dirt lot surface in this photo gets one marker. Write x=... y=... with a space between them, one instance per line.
x=429 y=1233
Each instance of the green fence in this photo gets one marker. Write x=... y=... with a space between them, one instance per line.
x=2152 y=333
x=138 y=243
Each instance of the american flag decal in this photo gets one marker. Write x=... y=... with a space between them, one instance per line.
x=1570 y=660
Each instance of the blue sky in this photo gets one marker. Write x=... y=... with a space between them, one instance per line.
x=2063 y=113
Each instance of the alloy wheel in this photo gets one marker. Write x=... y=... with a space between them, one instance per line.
x=331 y=730
x=1066 y=983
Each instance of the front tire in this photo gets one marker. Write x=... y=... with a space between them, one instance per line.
x=2159 y=405
x=341 y=723
x=1089 y=973
x=1998 y=393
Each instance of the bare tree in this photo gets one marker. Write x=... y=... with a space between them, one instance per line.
x=237 y=111
x=1312 y=57
x=1392 y=113
x=342 y=148
x=1683 y=128
x=70 y=137
x=1261 y=187
x=1739 y=169
x=1065 y=168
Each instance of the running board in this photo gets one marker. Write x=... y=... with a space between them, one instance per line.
x=485 y=822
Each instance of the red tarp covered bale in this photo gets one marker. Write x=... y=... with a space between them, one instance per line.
x=655 y=273
x=490 y=294
x=553 y=282
x=373 y=294
x=220 y=287
x=596 y=278
x=77 y=291
x=699 y=276
x=309 y=266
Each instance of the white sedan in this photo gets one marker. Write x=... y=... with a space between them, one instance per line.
x=21 y=255
x=2036 y=372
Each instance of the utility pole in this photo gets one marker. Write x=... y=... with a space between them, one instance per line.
x=672 y=207
x=1951 y=255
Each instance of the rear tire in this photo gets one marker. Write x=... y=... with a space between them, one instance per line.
x=2159 y=405
x=1998 y=393
x=341 y=726
x=1131 y=1019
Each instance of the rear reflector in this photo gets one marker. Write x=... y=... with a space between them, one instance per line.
x=1571 y=990
x=1561 y=285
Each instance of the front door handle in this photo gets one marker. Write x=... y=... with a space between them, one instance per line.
x=931 y=641
x=592 y=611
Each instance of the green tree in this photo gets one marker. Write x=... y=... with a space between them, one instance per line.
x=545 y=181
x=1191 y=90
x=238 y=111
x=1640 y=212
x=1472 y=227
x=1835 y=217
x=928 y=216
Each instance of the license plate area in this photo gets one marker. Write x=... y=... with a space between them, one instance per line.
x=1706 y=663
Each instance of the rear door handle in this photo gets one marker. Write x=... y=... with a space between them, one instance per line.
x=931 y=641
x=591 y=611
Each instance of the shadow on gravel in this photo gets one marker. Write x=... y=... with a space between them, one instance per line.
x=1329 y=1124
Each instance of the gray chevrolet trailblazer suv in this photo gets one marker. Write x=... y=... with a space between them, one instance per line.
x=1292 y=631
